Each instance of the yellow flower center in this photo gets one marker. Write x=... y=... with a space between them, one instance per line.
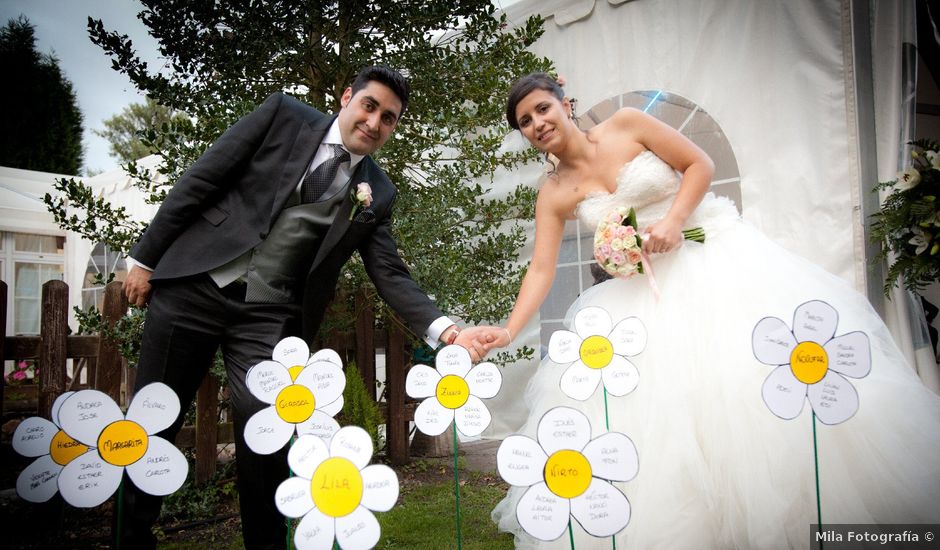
x=596 y=351
x=567 y=473
x=63 y=448
x=122 y=443
x=336 y=487
x=295 y=403
x=452 y=391
x=809 y=362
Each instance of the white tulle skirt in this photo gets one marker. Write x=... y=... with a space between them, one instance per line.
x=717 y=468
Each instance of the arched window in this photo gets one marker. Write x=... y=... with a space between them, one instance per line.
x=573 y=273
x=103 y=262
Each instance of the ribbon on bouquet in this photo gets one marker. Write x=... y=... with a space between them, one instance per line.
x=648 y=270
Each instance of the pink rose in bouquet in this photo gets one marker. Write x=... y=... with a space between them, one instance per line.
x=618 y=247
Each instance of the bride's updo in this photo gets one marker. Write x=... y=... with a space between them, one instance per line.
x=525 y=86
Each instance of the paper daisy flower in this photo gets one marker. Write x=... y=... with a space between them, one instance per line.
x=598 y=350
x=453 y=391
x=304 y=393
x=116 y=443
x=568 y=475
x=335 y=491
x=38 y=437
x=811 y=363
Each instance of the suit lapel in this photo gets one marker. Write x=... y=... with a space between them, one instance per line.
x=305 y=147
x=342 y=222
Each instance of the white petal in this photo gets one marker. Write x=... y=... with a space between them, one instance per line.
x=57 y=404
x=620 y=376
x=332 y=409
x=432 y=418
x=86 y=413
x=325 y=380
x=154 y=407
x=815 y=321
x=327 y=355
x=783 y=393
x=834 y=399
x=39 y=481
x=266 y=432
x=628 y=337
x=564 y=346
x=306 y=454
x=473 y=417
x=453 y=359
x=320 y=424
x=543 y=514
x=291 y=352
x=850 y=354
x=484 y=380
x=162 y=470
x=613 y=456
x=579 y=381
x=772 y=341
x=421 y=381
x=357 y=530
x=563 y=428
x=87 y=481
x=33 y=437
x=592 y=320
x=602 y=510
x=315 y=532
x=520 y=461
x=293 y=498
x=379 y=487
x=266 y=379
x=354 y=443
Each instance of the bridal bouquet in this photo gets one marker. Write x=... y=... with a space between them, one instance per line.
x=618 y=246
x=908 y=226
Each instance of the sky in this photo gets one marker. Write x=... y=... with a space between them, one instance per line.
x=61 y=29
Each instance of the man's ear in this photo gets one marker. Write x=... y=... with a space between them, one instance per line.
x=347 y=95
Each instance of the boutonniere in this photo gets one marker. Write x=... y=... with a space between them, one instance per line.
x=361 y=196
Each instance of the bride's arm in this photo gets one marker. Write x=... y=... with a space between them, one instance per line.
x=685 y=157
x=549 y=230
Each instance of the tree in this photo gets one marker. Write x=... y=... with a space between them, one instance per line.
x=42 y=125
x=131 y=131
x=225 y=57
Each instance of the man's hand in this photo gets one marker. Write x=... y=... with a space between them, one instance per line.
x=137 y=286
x=477 y=340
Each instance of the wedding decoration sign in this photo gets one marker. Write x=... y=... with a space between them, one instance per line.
x=811 y=363
x=38 y=437
x=97 y=443
x=568 y=474
x=453 y=392
x=304 y=393
x=598 y=350
x=336 y=491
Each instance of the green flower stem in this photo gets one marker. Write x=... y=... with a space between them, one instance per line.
x=696 y=234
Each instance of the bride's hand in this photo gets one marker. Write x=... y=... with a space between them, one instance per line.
x=663 y=236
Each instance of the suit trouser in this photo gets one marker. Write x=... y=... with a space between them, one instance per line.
x=187 y=321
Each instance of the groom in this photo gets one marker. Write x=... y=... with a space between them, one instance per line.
x=246 y=250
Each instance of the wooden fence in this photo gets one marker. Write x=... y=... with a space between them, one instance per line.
x=105 y=370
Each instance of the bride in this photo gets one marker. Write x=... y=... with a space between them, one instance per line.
x=717 y=467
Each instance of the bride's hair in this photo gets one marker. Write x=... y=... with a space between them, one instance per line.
x=525 y=86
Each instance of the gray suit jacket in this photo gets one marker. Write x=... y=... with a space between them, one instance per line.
x=227 y=201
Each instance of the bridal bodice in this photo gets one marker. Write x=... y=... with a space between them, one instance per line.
x=649 y=185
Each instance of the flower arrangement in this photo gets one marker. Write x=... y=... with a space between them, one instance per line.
x=618 y=248
x=361 y=196
x=908 y=226
x=25 y=372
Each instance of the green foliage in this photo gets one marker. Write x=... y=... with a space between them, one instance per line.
x=192 y=502
x=132 y=133
x=42 y=125
x=908 y=226
x=359 y=406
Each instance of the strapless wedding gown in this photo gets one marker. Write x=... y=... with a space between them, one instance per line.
x=718 y=469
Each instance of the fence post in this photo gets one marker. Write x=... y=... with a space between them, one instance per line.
x=207 y=429
x=396 y=427
x=54 y=325
x=3 y=339
x=365 y=341
x=110 y=364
